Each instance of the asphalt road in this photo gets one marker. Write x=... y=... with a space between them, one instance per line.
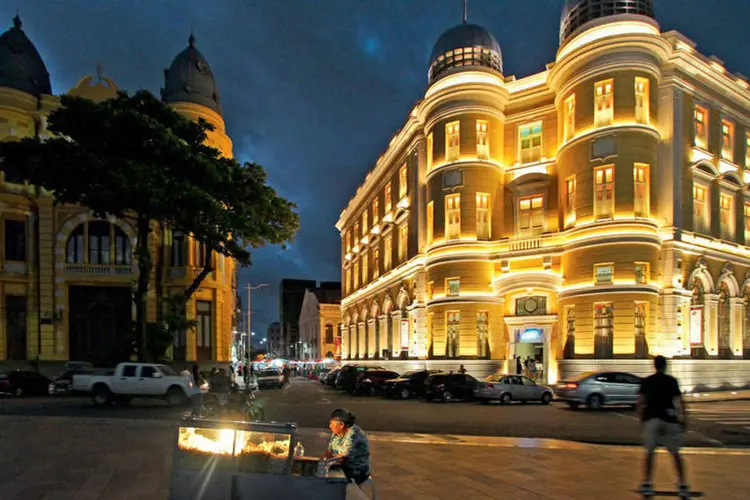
x=309 y=404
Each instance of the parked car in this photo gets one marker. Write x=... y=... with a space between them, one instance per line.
x=597 y=389
x=330 y=378
x=270 y=378
x=62 y=384
x=136 y=380
x=23 y=383
x=347 y=378
x=449 y=387
x=371 y=381
x=509 y=388
x=410 y=384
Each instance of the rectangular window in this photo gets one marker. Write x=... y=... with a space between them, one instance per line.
x=700 y=208
x=603 y=329
x=641 y=273
x=15 y=240
x=530 y=142
x=483 y=216
x=483 y=329
x=388 y=198
x=348 y=241
x=640 y=190
x=403 y=181
x=15 y=327
x=604 y=103
x=364 y=223
x=452 y=287
x=430 y=145
x=348 y=274
x=430 y=222
x=453 y=320
x=204 y=329
x=483 y=141
x=726 y=215
x=179 y=244
x=375 y=211
x=357 y=234
x=604 y=273
x=356 y=275
x=604 y=195
x=452 y=216
x=531 y=215
x=727 y=140
x=570 y=201
x=639 y=316
x=452 y=141
x=642 y=100
x=700 y=125
x=569 y=125
x=569 y=350
x=375 y=262
x=365 y=270
x=387 y=252
x=403 y=242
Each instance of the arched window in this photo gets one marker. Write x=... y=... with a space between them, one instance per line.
x=724 y=322
x=329 y=334
x=74 y=247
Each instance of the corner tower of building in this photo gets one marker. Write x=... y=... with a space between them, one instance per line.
x=579 y=15
x=466 y=46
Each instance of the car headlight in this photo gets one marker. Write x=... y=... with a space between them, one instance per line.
x=366 y=380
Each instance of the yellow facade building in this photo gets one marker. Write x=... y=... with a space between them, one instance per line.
x=320 y=323
x=589 y=216
x=66 y=277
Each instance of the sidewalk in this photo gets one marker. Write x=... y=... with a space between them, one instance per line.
x=711 y=397
x=51 y=458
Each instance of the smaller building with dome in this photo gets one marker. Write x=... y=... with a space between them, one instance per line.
x=66 y=276
x=586 y=217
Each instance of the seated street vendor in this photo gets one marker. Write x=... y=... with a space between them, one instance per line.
x=348 y=448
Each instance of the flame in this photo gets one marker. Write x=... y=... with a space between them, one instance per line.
x=229 y=442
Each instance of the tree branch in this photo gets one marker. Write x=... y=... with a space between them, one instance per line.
x=198 y=280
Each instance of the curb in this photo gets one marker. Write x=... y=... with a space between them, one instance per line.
x=690 y=399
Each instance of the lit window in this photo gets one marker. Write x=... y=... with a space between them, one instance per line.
x=604 y=320
x=452 y=287
x=483 y=216
x=357 y=234
x=570 y=326
x=604 y=195
x=375 y=211
x=530 y=142
x=453 y=320
x=430 y=222
x=483 y=141
x=700 y=208
x=641 y=346
x=604 y=103
x=348 y=241
x=570 y=201
x=726 y=215
x=364 y=222
x=483 y=328
x=640 y=190
x=452 y=216
x=388 y=198
x=430 y=290
x=365 y=273
x=700 y=124
x=375 y=262
x=403 y=242
x=747 y=223
x=429 y=151
x=452 y=141
x=356 y=275
x=727 y=140
x=641 y=273
x=403 y=179
x=348 y=279
x=531 y=215
x=387 y=251
x=603 y=274
x=642 y=100
x=569 y=125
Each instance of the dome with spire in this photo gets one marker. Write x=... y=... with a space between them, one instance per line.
x=577 y=13
x=465 y=45
x=189 y=79
x=21 y=66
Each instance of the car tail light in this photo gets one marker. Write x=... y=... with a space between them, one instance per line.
x=570 y=385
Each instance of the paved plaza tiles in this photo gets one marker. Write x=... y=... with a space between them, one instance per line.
x=59 y=458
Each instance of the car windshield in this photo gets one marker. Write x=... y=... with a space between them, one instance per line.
x=270 y=373
x=168 y=371
x=580 y=376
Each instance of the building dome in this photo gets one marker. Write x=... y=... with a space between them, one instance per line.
x=189 y=79
x=21 y=66
x=464 y=45
x=576 y=13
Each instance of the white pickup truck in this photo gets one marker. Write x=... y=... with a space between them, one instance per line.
x=136 y=380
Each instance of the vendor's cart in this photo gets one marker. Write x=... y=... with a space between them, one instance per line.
x=226 y=460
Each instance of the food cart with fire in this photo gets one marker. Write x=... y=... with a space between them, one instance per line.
x=228 y=460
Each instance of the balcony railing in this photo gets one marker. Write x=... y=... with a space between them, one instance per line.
x=530 y=243
x=99 y=269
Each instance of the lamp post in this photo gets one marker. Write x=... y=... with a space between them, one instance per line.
x=250 y=289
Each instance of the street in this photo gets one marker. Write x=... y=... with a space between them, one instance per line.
x=308 y=404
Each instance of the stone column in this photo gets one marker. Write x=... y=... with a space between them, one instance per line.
x=396 y=332
x=353 y=342
x=710 y=323
x=383 y=333
x=371 y=338
x=736 y=316
x=361 y=335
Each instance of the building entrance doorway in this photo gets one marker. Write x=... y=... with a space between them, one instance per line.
x=100 y=323
x=529 y=346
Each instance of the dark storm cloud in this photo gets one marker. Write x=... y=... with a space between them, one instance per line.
x=314 y=90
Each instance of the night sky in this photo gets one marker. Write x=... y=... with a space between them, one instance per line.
x=314 y=89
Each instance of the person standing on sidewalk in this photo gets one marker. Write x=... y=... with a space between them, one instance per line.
x=658 y=400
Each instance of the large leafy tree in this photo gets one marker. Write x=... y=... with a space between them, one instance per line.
x=134 y=157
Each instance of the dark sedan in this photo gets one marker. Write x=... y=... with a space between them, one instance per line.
x=371 y=381
x=448 y=387
x=410 y=384
x=23 y=383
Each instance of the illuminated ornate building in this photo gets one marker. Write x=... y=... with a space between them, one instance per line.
x=320 y=322
x=590 y=216
x=65 y=276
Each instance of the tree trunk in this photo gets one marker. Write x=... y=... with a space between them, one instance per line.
x=143 y=254
x=159 y=283
x=198 y=280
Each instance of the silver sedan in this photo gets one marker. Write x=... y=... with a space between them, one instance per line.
x=509 y=388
